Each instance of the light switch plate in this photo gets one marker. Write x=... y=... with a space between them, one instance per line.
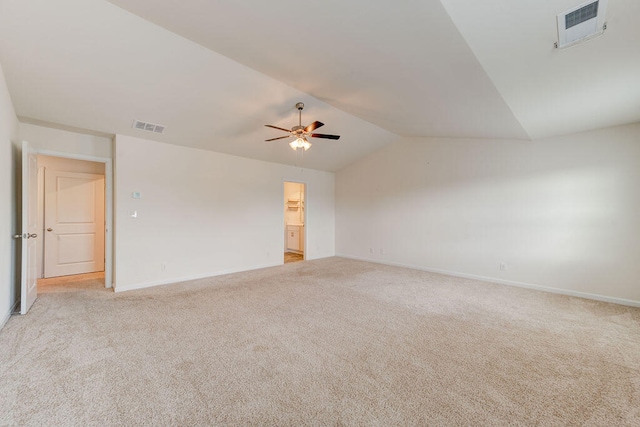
x=136 y=195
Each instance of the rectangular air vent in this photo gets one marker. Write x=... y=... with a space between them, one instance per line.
x=581 y=23
x=149 y=127
x=585 y=13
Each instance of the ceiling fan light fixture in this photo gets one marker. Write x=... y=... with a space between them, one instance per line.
x=300 y=142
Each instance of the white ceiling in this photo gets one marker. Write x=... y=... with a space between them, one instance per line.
x=370 y=70
x=401 y=65
x=592 y=85
x=88 y=64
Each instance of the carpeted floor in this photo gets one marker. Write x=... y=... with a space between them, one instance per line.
x=329 y=342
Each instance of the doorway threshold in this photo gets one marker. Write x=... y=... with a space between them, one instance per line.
x=292 y=257
x=61 y=280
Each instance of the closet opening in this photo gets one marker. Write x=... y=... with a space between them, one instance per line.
x=294 y=221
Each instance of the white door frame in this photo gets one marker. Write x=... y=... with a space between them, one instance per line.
x=306 y=190
x=108 y=205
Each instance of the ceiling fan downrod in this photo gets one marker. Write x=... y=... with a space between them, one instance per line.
x=300 y=106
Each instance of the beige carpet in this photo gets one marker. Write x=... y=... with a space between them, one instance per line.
x=327 y=343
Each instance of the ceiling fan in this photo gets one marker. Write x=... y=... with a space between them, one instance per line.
x=301 y=133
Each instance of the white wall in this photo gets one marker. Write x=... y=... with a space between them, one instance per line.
x=8 y=200
x=204 y=213
x=560 y=212
x=49 y=139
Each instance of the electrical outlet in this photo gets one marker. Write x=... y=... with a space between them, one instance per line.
x=381 y=251
x=503 y=266
x=372 y=251
x=163 y=266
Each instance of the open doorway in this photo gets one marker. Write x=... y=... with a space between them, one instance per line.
x=294 y=221
x=32 y=231
x=71 y=221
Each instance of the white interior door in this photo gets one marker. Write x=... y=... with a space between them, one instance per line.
x=74 y=223
x=29 y=273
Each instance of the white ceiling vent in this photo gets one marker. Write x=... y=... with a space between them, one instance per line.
x=581 y=23
x=149 y=127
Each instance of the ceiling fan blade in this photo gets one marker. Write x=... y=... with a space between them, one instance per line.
x=322 y=135
x=313 y=126
x=280 y=137
x=276 y=127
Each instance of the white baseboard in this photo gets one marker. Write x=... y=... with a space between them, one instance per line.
x=6 y=317
x=596 y=297
x=120 y=288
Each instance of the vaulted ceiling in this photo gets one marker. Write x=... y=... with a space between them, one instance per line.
x=215 y=72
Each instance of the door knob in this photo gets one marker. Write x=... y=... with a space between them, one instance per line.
x=49 y=229
x=32 y=236
x=17 y=236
